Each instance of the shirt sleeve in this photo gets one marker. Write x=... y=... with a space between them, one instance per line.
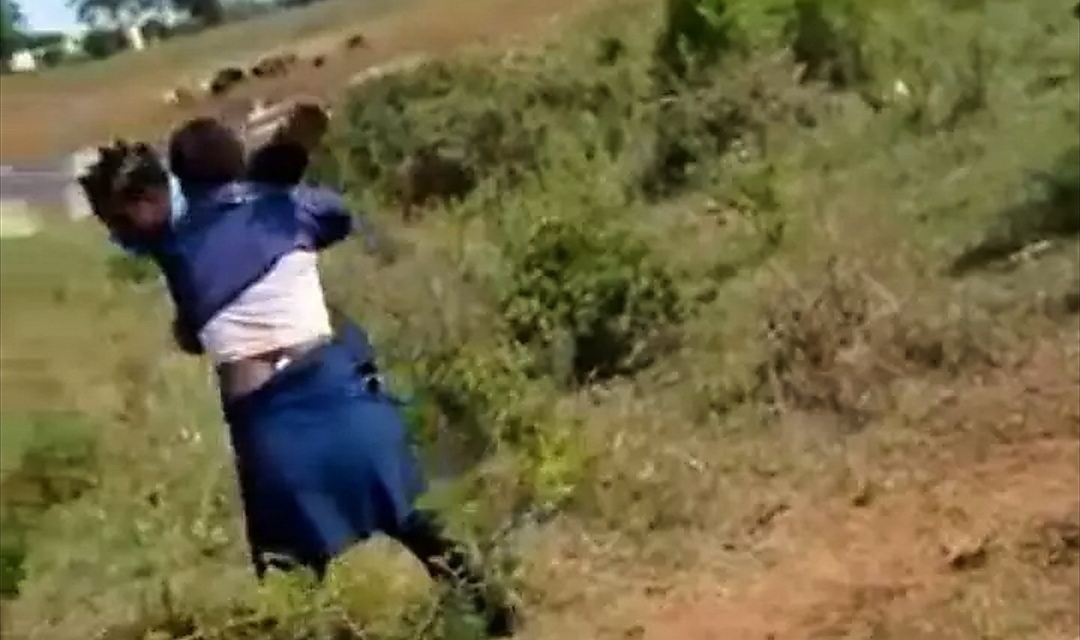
x=324 y=218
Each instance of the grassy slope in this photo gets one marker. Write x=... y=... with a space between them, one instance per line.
x=37 y=109
x=60 y=110
x=693 y=516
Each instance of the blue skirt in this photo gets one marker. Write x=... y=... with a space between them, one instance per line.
x=323 y=462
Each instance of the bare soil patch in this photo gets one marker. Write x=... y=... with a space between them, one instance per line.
x=1000 y=504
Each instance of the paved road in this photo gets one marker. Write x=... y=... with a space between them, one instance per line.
x=41 y=188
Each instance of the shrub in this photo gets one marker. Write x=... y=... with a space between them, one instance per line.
x=837 y=340
x=13 y=550
x=102 y=43
x=480 y=390
x=1051 y=209
x=505 y=433
x=597 y=292
x=696 y=34
x=700 y=125
x=866 y=46
x=827 y=38
x=701 y=132
x=496 y=117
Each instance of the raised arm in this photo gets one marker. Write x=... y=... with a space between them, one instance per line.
x=325 y=218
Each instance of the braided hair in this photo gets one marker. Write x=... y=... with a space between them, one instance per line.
x=124 y=172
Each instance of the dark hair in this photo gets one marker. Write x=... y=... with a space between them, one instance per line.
x=204 y=152
x=278 y=162
x=123 y=171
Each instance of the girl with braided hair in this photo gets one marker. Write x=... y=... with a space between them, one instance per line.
x=322 y=460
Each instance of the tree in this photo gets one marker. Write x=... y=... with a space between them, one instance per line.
x=209 y=12
x=102 y=43
x=12 y=22
x=117 y=14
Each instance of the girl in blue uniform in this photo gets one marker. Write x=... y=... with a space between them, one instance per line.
x=323 y=460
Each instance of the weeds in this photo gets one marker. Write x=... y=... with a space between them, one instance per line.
x=836 y=345
x=611 y=329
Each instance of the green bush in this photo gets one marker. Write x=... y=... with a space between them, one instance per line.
x=696 y=34
x=13 y=550
x=480 y=390
x=504 y=434
x=827 y=38
x=697 y=128
x=866 y=46
x=1061 y=193
x=102 y=43
x=1051 y=209
x=497 y=119
x=594 y=292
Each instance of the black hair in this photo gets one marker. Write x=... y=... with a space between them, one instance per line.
x=278 y=162
x=203 y=152
x=123 y=171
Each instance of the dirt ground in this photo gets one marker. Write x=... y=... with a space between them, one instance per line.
x=42 y=118
x=999 y=497
x=972 y=531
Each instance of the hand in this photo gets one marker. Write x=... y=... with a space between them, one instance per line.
x=306 y=125
x=186 y=339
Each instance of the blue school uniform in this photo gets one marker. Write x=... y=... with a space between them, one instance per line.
x=323 y=460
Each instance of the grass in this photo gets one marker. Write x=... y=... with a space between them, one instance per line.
x=707 y=331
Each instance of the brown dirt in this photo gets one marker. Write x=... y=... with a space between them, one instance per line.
x=39 y=120
x=1008 y=474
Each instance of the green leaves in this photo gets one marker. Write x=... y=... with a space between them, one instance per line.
x=589 y=288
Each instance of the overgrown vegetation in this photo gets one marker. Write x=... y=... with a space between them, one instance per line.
x=693 y=228
x=53 y=462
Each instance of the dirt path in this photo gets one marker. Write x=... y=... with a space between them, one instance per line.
x=890 y=561
x=1005 y=510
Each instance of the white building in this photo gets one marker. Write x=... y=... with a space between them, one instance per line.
x=22 y=61
x=28 y=60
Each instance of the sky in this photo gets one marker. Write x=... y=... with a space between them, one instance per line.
x=49 y=15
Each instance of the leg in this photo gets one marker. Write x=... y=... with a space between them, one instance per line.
x=446 y=561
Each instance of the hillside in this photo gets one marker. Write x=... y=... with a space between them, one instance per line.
x=53 y=113
x=761 y=323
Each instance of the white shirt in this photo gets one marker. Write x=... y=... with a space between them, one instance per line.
x=285 y=308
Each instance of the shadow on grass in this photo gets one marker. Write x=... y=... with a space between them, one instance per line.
x=1054 y=212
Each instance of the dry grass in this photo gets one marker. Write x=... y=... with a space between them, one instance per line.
x=844 y=442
